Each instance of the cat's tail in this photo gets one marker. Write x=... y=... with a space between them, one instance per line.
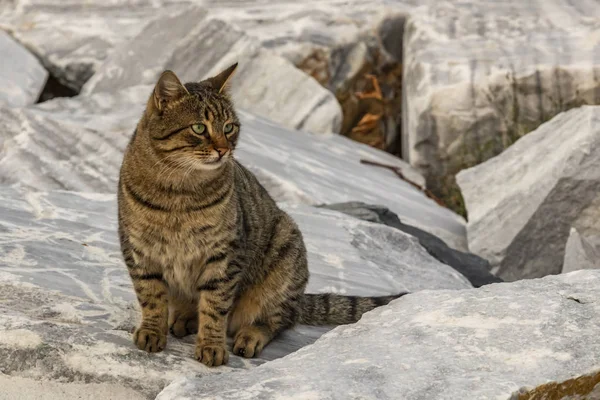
x=333 y=309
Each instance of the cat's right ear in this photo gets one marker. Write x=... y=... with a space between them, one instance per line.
x=168 y=89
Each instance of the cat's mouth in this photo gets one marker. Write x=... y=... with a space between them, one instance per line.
x=216 y=160
x=211 y=163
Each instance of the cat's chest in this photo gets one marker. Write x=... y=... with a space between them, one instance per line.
x=178 y=249
x=171 y=243
x=180 y=256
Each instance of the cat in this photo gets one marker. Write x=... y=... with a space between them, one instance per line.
x=206 y=247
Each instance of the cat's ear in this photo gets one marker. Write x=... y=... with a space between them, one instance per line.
x=168 y=89
x=219 y=81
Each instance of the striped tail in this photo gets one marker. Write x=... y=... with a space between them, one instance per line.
x=333 y=309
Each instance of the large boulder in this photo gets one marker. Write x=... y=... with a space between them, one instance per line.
x=44 y=153
x=67 y=307
x=73 y=39
x=196 y=47
x=501 y=341
x=480 y=74
x=295 y=167
x=22 y=77
x=473 y=267
x=476 y=77
x=523 y=203
x=295 y=31
x=316 y=170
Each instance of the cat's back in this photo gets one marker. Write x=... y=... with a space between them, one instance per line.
x=249 y=190
x=262 y=225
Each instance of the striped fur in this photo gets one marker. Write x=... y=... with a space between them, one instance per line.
x=207 y=248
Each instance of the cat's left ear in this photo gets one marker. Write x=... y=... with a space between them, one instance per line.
x=168 y=89
x=219 y=81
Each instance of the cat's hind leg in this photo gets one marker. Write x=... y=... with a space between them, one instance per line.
x=271 y=303
x=264 y=311
x=250 y=340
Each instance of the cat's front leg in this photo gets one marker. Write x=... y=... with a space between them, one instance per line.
x=216 y=297
x=152 y=293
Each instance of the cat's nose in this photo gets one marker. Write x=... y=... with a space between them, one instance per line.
x=222 y=151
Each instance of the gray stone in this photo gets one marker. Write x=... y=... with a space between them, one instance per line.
x=67 y=306
x=476 y=75
x=580 y=253
x=479 y=74
x=44 y=153
x=523 y=203
x=66 y=303
x=74 y=39
x=472 y=267
x=264 y=83
x=345 y=63
x=295 y=167
x=14 y=387
x=391 y=34
x=22 y=77
x=486 y=343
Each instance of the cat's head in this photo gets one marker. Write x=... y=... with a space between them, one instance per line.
x=192 y=125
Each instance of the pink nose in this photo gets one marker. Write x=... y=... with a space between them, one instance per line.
x=222 y=151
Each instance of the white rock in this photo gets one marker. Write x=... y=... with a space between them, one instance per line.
x=522 y=203
x=580 y=253
x=485 y=343
x=67 y=305
x=22 y=77
x=295 y=167
x=14 y=387
x=362 y=254
x=44 y=153
x=196 y=47
x=73 y=38
x=478 y=74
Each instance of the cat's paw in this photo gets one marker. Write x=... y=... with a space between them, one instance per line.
x=184 y=325
x=248 y=343
x=212 y=354
x=149 y=339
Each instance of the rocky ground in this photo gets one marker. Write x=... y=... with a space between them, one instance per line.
x=503 y=305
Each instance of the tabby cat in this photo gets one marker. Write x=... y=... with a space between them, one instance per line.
x=207 y=248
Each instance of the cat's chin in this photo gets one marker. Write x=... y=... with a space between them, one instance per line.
x=210 y=166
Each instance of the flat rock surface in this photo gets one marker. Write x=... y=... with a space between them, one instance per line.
x=485 y=343
x=67 y=306
x=46 y=153
x=295 y=167
x=523 y=203
x=22 y=77
x=479 y=74
x=25 y=388
x=471 y=266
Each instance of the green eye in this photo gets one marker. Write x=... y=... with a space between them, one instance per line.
x=228 y=128
x=199 y=128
